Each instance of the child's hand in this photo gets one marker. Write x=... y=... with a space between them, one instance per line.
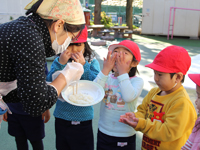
x=129 y=119
x=64 y=57
x=46 y=116
x=122 y=66
x=109 y=63
x=78 y=57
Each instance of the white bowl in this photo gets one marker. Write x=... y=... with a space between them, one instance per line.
x=85 y=87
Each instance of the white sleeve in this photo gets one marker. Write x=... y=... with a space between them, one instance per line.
x=101 y=79
x=130 y=88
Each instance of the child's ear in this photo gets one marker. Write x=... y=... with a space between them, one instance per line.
x=179 y=77
x=134 y=64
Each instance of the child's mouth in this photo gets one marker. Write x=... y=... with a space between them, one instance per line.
x=70 y=60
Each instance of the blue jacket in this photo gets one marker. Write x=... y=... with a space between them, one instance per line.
x=70 y=112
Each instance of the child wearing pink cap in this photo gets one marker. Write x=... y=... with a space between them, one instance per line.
x=122 y=89
x=166 y=116
x=73 y=124
x=193 y=143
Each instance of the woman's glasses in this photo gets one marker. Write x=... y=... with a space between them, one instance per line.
x=75 y=38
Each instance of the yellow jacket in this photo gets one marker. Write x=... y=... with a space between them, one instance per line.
x=178 y=120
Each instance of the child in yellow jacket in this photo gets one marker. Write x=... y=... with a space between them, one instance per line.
x=166 y=115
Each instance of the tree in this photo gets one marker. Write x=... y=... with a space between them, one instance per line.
x=129 y=11
x=97 y=12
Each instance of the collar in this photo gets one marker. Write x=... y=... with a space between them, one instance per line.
x=38 y=21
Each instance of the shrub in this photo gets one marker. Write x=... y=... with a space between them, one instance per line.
x=106 y=20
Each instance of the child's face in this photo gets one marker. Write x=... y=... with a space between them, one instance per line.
x=164 y=80
x=128 y=56
x=197 y=102
x=76 y=47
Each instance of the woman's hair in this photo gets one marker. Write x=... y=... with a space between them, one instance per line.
x=67 y=27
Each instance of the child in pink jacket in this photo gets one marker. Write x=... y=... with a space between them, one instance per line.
x=193 y=143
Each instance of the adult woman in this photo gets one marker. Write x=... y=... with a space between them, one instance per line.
x=26 y=42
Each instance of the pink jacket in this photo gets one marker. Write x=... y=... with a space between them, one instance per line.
x=193 y=143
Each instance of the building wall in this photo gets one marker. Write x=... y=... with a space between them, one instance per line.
x=156 y=17
x=12 y=9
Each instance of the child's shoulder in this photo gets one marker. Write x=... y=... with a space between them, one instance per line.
x=181 y=93
x=154 y=91
x=137 y=80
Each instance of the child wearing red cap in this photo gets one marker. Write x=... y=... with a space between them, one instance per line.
x=73 y=124
x=166 y=116
x=193 y=143
x=122 y=89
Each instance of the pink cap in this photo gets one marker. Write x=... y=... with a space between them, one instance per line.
x=172 y=59
x=130 y=45
x=195 y=78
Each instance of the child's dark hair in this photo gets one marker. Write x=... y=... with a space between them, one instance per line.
x=88 y=52
x=133 y=70
x=172 y=74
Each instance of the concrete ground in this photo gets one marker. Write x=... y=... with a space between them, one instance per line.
x=149 y=46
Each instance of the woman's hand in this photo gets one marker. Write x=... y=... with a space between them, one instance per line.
x=5 y=117
x=46 y=116
x=109 y=63
x=64 y=57
x=78 y=57
x=122 y=66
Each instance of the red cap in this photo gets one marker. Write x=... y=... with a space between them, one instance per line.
x=83 y=36
x=172 y=59
x=195 y=78
x=130 y=45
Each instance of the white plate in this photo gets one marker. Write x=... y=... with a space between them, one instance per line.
x=85 y=87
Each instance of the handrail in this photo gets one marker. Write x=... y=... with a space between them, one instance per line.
x=174 y=19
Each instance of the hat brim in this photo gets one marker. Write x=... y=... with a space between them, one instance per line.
x=195 y=78
x=114 y=46
x=80 y=41
x=158 y=68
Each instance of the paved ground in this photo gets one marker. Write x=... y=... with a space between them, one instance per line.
x=149 y=45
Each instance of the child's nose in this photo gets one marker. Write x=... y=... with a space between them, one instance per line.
x=155 y=78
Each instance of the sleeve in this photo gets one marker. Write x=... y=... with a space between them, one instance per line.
x=130 y=88
x=28 y=55
x=142 y=108
x=91 y=70
x=188 y=145
x=56 y=66
x=174 y=125
x=46 y=68
x=101 y=79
